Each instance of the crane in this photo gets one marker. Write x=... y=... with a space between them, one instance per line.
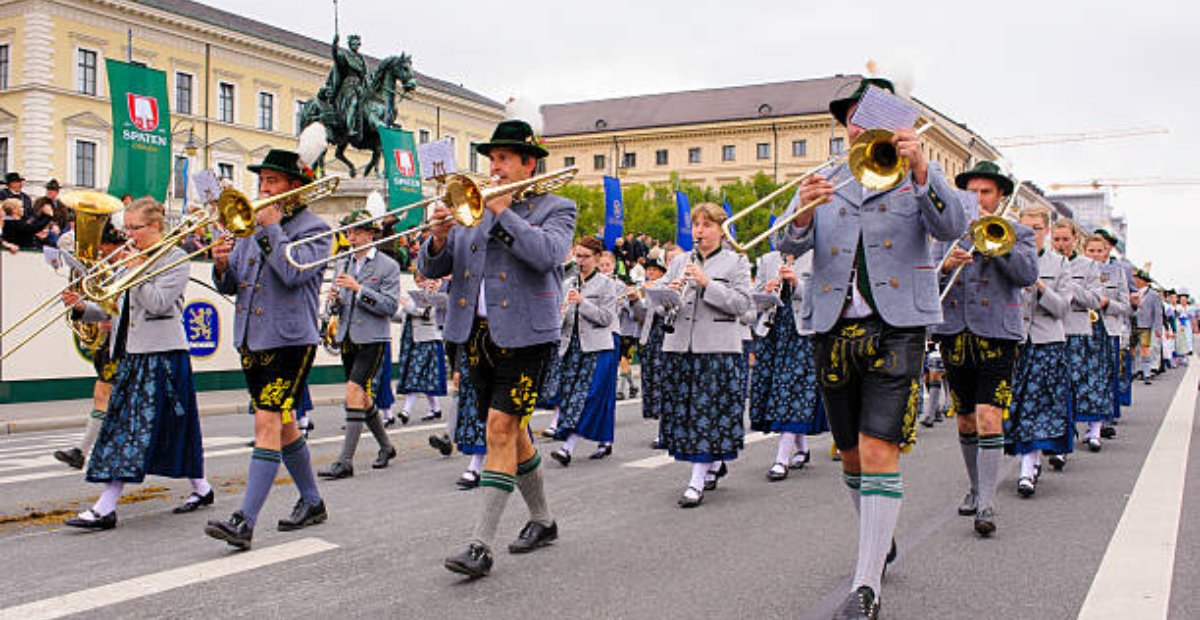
x=1083 y=136
x=1122 y=182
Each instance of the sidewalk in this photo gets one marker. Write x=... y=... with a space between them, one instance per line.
x=57 y=414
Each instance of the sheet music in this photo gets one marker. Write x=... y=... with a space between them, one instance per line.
x=766 y=301
x=663 y=296
x=879 y=109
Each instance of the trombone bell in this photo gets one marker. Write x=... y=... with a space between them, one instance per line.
x=873 y=160
x=993 y=235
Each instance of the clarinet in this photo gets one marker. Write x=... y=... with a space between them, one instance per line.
x=673 y=313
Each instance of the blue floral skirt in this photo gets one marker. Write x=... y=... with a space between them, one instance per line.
x=578 y=372
x=1091 y=378
x=548 y=396
x=384 y=396
x=703 y=406
x=421 y=366
x=1125 y=377
x=599 y=418
x=652 y=359
x=783 y=385
x=1041 y=417
x=152 y=426
x=470 y=425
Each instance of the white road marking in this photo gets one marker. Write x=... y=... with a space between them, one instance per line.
x=661 y=460
x=1134 y=578
x=157 y=583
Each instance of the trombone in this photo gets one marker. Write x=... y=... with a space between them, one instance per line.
x=873 y=161
x=990 y=235
x=463 y=195
x=234 y=213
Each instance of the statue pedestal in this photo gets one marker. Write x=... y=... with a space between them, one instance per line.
x=351 y=194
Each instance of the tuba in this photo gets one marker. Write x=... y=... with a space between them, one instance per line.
x=93 y=210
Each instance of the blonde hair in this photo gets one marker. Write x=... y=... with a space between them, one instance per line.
x=150 y=209
x=1095 y=237
x=12 y=206
x=710 y=211
x=1037 y=211
x=1076 y=232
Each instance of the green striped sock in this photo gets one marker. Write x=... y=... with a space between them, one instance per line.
x=264 y=454
x=498 y=479
x=853 y=484
x=887 y=485
x=530 y=464
x=991 y=442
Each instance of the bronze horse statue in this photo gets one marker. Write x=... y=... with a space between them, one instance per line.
x=376 y=105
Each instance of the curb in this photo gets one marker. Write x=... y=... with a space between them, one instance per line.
x=13 y=427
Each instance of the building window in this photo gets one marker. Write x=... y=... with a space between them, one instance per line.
x=799 y=148
x=85 y=163
x=180 y=191
x=453 y=142
x=225 y=102
x=423 y=136
x=266 y=111
x=629 y=160
x=837 y=145
x=183 y=93
x=728 y=153
x=3 y=67
x=225 y=172
x=598 y=162
x=568 y=162
x=3 y=155
x=299 y=115
x=660 y=157
x=87 y=73
x=540 y=166
x=473 y=157
x=762 y=150
x=694 y=155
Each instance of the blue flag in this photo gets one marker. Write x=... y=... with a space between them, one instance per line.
x=614 y=212
x=683 y=228
x=729 y=213
x=771 y=224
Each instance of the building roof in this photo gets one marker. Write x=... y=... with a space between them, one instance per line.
x=237 y=23
x=735 y=103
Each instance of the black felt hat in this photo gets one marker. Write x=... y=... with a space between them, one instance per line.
x=13 y=177
x=286 y=162
x=840 y=107
x=517 y=135
x=361 y=215
x=1108 y=236
x=985 y=170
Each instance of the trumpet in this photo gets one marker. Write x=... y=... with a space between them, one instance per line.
x=873 y=161
x=463 y=195
x=234 y=213
x=990 y=235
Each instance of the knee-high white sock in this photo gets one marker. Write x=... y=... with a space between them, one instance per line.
x=200 y=486
x=1029 y=464
x=698 y=472
x=801 y=443
x=853 y=483
x=569 y=444
x=94 y=422
x=715 y=466
x=476 y=464
x=882 y=495
x=1093 y=430
x=409 y=399
x=433 y=402
x=787 y=445
x=108 y=498
x=554 y=420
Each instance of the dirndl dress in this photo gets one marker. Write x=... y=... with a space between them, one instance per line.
x=421 y=366
x=783 y=387
x=152 y=426
x=470 y=425
x=1091 y=386
x=384 y=396
x=652 y=356
x=586 y=406
x=548 y=396
x=1041 y=416
x=703 y=406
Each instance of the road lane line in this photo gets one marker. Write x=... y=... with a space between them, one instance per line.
x=157 y=583
x=661 y=460
x=1134 y=578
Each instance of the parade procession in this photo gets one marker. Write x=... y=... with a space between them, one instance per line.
x=682 y=300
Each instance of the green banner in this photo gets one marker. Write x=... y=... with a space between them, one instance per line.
x=403 y=174
x=141 y=162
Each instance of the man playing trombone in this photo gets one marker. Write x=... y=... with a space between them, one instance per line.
x=978 y=338
x=504 y=296
x=872 y=297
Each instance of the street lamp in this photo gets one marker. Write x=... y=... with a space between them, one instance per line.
x=192 y=145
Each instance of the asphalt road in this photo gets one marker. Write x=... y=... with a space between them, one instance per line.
x=753 y=550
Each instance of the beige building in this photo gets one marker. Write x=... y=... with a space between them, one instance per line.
x=717 y=136
x=235 y=87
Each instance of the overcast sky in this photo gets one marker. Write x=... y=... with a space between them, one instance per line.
x=1004 y=68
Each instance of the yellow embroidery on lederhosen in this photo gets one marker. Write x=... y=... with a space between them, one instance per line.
x=1003 y=398
x=524 y=395
x=908 y=430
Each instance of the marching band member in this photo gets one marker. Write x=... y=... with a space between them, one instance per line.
x=275 y=330
x=874 y=294
x=783 y=388
x=702 y=391
x=1125 y=355
x=1147 y=320
x=152 y=425
x=368 y=289
x=548 y=395
x=105 y=366
x=588 y=383
x=1114 y=315
x=1040 y=415
x=630 y=314
x=650 y=345
x=1087 y=356
x=504 y=310
x=421 y=365
x=979 y=337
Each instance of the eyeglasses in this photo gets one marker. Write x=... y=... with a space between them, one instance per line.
x=134 y=227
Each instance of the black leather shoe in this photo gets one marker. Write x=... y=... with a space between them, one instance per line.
x=562 y=456
x=549 y=432
x=1026 y=487
x=469 y=480
x=194 y=501
x=927 y=422
x=385 y=455
x=985 y=522
x=441 y=443
x=475 y=562
x=1108 y=432
x=968 y=506
x=604 y=451
x=722 y=471
x=432 y=415
x=799 y=460
x=337 y=471
x=73 y=457
x=389 y=421
x=89 y=520
x=403 y=415
x=891 y=556
x=778 y=472
x=861 y=603
x=1058 y=462
x=304 y=515
x=534 y=535
x=234 y=530
x=691 y=500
